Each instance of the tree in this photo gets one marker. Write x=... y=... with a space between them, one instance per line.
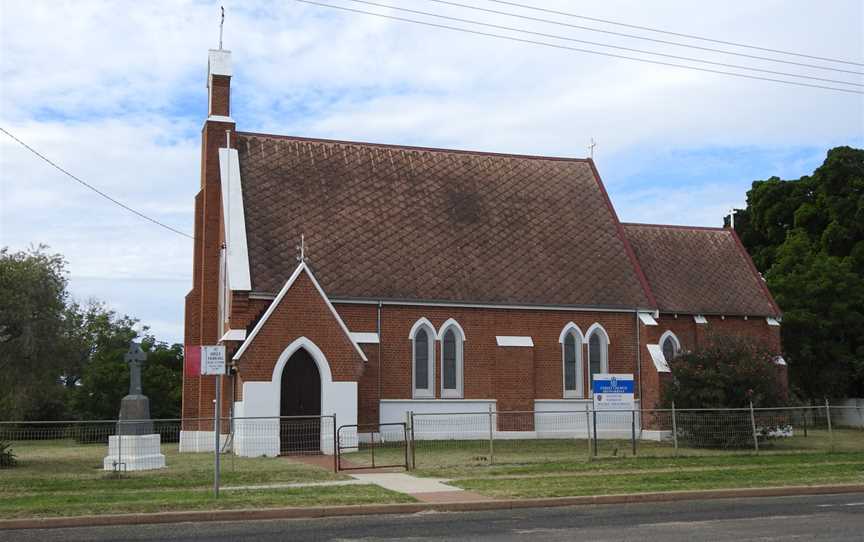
x=727 y=372
x=60 y=359
x=32 y=301
x=105 y=380
x=807 y=237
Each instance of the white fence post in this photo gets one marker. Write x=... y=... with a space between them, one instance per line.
x=491 y=438
x=674 y=430
x=830 y=430
x=588 y=430
x=753 y=425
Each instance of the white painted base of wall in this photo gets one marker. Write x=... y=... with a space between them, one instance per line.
x=470 y=420
x=133 y=453
x=656 y=435
x=261 y=437
x=200 y=441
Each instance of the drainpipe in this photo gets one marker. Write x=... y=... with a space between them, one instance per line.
x=639 y=360
x=379 y=359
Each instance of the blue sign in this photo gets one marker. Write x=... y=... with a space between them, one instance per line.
x=613 y=391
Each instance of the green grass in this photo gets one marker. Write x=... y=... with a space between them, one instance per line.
x=66 y=466
x=61 y=477
x=115 y=501
x=450 y=459
x=646 y=480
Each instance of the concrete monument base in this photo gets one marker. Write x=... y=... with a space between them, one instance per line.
x=134 y=452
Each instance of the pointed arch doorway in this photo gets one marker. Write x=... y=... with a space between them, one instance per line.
x=300 y=404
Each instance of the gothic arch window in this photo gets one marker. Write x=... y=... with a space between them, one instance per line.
x=598 y=351
x=671 y=345
x=571 y=340
x=452 y=364
x=423 y=359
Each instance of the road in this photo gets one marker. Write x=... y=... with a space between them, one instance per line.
x=831 y=517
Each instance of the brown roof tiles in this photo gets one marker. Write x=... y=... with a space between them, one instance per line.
x=405 y=223
x=699 y=271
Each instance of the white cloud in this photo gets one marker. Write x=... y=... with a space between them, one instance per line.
x=116 y=93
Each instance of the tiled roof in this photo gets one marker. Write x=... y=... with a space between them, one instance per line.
x=404 y=223
x=699 y=271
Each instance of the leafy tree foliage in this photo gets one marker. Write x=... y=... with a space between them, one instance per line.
x=60 y=359
x=32 y=304
x=728 y=372
x=807 y=237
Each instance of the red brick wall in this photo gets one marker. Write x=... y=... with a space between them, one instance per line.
x=693 y=335
x=301 y=313
x=220 y=101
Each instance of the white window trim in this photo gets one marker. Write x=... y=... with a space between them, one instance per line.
x=429 y=392
x=578 y=393
x=667 y=334
x=458 y=393
x=604 y=358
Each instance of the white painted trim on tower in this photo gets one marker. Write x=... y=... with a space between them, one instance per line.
x=218 y=62
x=772 y=321
x=220 y=118
x=234 y=335
x=300 y=268
x=239 y=277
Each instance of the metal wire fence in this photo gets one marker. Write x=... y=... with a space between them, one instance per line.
x=471 y=439
x=263 y=452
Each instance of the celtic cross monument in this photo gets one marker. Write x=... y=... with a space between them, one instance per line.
x=135 y=446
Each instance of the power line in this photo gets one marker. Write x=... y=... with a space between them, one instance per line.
x=577 y=49
x=633 y=36
x=93 y=188
x=617 y=47
x=679 y=34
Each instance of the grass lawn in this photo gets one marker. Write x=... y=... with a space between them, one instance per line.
x=62 y=478
x=466 y=458
x=115 y=501
x=749 y=472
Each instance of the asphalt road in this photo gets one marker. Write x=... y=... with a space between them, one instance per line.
x=832 y=517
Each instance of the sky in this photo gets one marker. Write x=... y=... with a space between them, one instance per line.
x=115 y=92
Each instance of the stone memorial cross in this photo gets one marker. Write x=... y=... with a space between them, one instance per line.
x=135 y=357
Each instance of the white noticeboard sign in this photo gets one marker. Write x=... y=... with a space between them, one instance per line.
x=613 y=392
x=212 y=360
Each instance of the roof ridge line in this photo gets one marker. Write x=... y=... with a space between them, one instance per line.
x=414 y=147
x=675 y=226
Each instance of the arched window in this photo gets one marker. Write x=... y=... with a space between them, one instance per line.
x=670 y=345
x=423 y=365
x=452 y=339
x=571 y=357
x=598 y=351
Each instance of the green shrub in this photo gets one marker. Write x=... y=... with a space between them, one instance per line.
x=728 y=372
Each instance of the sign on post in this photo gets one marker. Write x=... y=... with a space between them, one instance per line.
x=613 y=391
x=213 y=360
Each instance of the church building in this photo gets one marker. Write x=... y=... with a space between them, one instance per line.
x=367 y=280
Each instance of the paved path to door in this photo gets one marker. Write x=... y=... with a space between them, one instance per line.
x=422 y=489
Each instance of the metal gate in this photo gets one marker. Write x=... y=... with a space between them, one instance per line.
x=388 y=440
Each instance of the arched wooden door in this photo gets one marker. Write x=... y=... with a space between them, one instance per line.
x=301 y=396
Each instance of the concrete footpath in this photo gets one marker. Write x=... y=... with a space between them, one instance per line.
x=410 y=508
x=422 y=489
